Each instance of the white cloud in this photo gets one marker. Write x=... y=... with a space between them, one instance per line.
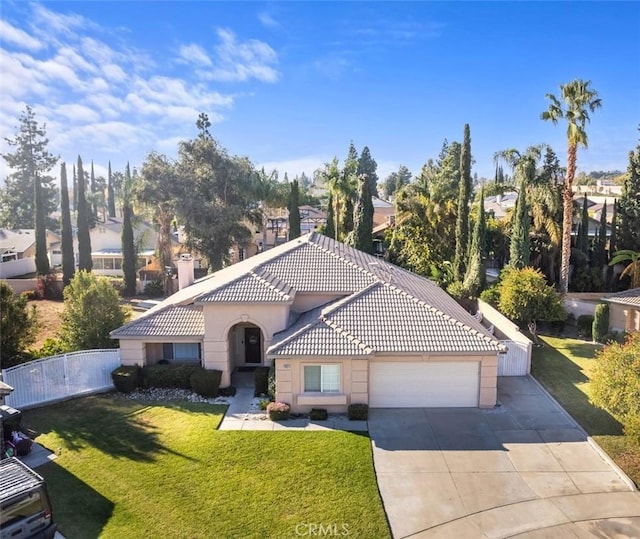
x=77 y=113
x=18 y=37
x=267 y=20
x=240 y=61
x=194 y=54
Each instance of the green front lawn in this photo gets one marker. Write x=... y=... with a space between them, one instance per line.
x=130 y=469
x=563 y=367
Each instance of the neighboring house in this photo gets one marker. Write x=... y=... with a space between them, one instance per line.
x=311 y=219
x=497 y=206
x=384 y=212
x=342 y=327
x=18 y=251
x=624 y=310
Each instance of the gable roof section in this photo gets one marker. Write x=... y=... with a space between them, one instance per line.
x=385 y=319
x=251 y=288
x=629 y=297
x=172 y=321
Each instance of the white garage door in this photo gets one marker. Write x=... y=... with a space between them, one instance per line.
x=424 y=384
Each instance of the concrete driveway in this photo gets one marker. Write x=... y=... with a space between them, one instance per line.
x=523 y=469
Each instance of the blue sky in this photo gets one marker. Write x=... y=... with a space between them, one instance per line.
x=291 y=84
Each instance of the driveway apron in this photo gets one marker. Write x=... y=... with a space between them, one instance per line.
x=522 y=469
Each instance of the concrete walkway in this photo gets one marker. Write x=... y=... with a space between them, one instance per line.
x=524 y=469
x=240 y=415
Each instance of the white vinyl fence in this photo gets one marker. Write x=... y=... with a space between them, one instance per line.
x=59 y=377
x=517 y=360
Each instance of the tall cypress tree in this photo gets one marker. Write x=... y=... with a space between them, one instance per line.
x=600 y=245
x=294 y=211
x=367 y=165
x=362 y=237
x=582 y=241
x=475 y=279
x=629 y=205
x=93 y=196
x=75 y=189
x=519 y=250
x=84 y=239
x=42 y=261
x=330 y=227
x=111 y=195
x=128 y=244
x=462 y=219
x=68 y=260
x=613 y=247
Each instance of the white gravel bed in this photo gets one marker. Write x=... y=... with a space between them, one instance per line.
x=172 y=394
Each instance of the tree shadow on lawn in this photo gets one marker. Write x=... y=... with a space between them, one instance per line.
x=78 y=509
x=115 y=427
x=560 y=376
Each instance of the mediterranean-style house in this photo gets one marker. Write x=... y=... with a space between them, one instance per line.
x=624 y=310
x=342 y=327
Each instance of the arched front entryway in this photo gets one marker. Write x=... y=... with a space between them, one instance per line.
x=246 y=345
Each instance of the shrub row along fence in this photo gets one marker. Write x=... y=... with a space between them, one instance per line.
x=59 y=377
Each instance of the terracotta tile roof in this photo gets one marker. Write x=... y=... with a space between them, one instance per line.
x=172 y=321
x=626 y=297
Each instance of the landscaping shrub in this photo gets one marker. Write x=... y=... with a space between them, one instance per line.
x=600 y=325
x=491 y=295
x=261 y=379
x=318 y=414
x=264 y=403
x=615 y=382
x=271 y=391
x=278 y=411
x=126 y=378
x=206 y=382
x=584 y=325
x=168 y=375
x=154 y=289
x=227 y=391
x=358 y=412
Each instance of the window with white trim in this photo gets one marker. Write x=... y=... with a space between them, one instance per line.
x=322 y=378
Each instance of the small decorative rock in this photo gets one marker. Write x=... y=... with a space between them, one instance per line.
x=173 y=394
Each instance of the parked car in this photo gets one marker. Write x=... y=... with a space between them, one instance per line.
x=25 y=507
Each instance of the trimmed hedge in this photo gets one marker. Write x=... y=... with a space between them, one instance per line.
x=600 y=325
x=278 y=411
x=358 y=412
x=206 y=382
x=261 y=379
x=126 y=378
x=171 y=375
x=318 y=414
x=227 y=391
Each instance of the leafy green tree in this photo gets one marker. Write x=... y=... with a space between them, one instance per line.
x=111 y=195
x=578 y=99
x=582 y=241
x=475 y=279
x=396 y=181
x=84 y=239
x=519 y=247
x=462 y=217
x=91 y=311
x=440 y=180
x=629 y=205
x=18 y=326
x=216 y=198
x=362 y=236
x=613 y=247
x=334 y=180
x=294 y=211
x=632 y=269
x=348 y=189
x=156 y=190
x=30 y=164
x=68 y=260
x=129 y=254
x=368 y=166
x=93 y=189
x=600 y=245
x=526 y=297
x=615 y=382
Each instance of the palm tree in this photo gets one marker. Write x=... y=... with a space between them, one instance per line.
x=633 y=269
x=578 y=99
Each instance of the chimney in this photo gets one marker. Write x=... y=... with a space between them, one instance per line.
x=185 y=271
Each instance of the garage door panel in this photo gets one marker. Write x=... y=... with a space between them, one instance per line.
x=424 y=384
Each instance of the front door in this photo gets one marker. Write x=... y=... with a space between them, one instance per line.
x=252 y=346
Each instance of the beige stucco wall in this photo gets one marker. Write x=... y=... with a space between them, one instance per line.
x=355 y=380
x=623 y=318
x=132 y=352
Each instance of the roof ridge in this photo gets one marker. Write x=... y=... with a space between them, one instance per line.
x=260 y=277
x=145 y=316
x=344 y=333
x=340 y=254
